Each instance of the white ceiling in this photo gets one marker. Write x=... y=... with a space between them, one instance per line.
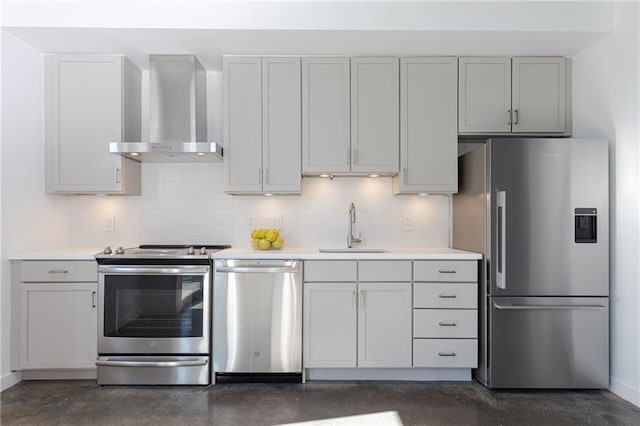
x=210 y=45
x=210 y=29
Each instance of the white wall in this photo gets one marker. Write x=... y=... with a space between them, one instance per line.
x=30 y=219
x=605 y=104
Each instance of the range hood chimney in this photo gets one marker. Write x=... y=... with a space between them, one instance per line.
x=177 y=114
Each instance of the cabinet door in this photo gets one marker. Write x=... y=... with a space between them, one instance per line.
x=375 y=116
x=539 y=88
x=83 y=114
x=428 y=135
x=281 y=115
x=59 y=325
x=326 y=124
x=384 y=325
x=243 y=124
x=485 y=95
x=329 y=325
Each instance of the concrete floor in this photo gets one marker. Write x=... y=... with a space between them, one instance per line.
x=85 y=403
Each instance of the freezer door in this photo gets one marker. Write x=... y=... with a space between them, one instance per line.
x=545 y=239
x=551 y=342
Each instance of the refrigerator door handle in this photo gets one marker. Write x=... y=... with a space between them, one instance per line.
x=501 y=275
x=507 y=306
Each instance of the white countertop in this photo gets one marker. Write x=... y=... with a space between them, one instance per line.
x=314 y=254
x=58 y=254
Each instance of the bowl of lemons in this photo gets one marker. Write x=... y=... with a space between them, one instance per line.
x=266 y=239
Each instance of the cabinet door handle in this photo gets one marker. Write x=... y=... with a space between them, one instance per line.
x=266 y=175
x=446 y=271
x=446 y=354
x=361 y=297
x=509 y=117
x=405 y=177
x=355 y=156
x=447 y=296
x=259 y=175
x=354 y=299
x=447 y=324
x=117 y=175
x=58 y=271
x=348 y=156
x=515 y=122
x=93 y=299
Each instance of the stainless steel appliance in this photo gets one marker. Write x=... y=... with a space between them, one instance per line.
x=538 y=209
x=257 y=317
x=154 y=305
x=177 y=114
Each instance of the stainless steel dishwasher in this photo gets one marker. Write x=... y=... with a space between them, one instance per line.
x=257 y=317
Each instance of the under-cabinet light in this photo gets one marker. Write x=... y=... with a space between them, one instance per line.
x=268 y=195
x=134 y=154
x=374 y=175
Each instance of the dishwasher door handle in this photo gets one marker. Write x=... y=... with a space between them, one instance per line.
x=258 y=269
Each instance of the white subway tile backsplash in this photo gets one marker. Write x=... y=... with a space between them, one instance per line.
x=186 y=203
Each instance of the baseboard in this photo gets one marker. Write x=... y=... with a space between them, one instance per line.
x=625 y=390
x=10 y=379
x=403 y=374
x=59 y=374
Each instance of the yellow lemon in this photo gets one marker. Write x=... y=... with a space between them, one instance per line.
x=254 y=233
x=277 y=244
x=270 y=235
x=261 y=232
x=254 y=242
x=264 y=244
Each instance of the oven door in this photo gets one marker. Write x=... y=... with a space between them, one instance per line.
x=153 y=309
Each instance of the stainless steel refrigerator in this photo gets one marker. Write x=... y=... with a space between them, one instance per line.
x=538 y=210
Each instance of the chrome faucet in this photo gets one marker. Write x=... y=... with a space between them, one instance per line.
x=352 y=219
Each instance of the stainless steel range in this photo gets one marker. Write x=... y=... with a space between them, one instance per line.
x=154 y=315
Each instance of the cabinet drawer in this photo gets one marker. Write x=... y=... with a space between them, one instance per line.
x=384 y=270
x=445 y=353
x=330 y=270
x=445 y=270
x=437 y=323
x=58 y=271
x=445 y=295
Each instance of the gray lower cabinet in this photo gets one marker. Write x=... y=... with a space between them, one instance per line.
x=520 y=95
x=90 y=101
x=55 y=323
x=445 y=315
x=350 y=323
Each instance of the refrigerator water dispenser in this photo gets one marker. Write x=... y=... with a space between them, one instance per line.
x=586 y=225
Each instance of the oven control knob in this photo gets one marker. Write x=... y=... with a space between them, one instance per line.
x=203 y=251
x=107 y=250
x=120 y=250
x=191 y=251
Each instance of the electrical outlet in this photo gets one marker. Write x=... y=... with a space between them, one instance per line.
x=272 y=222
x=110 y=225
x=251 y=222
x=407 y=223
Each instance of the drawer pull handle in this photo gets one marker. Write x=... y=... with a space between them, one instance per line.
x=447 y=296
x=447 y=324
x=58 y=271
x=446 y=271
x=446 y=354
x=93 y=299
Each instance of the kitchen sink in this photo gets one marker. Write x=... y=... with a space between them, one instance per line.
x=351 y=250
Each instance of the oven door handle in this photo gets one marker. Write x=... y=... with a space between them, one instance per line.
x=189 y=270
x=257 y=269
x=163 y=364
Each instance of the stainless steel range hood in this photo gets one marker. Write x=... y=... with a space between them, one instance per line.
x=177 y=114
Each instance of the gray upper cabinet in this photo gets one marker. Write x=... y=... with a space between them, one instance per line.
x=90 y=101
x=538 y=95
x=326 y=145
x=514 y=96
x=262 y=125
x=375 y=102
x=350 y=115
x=428 y=126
